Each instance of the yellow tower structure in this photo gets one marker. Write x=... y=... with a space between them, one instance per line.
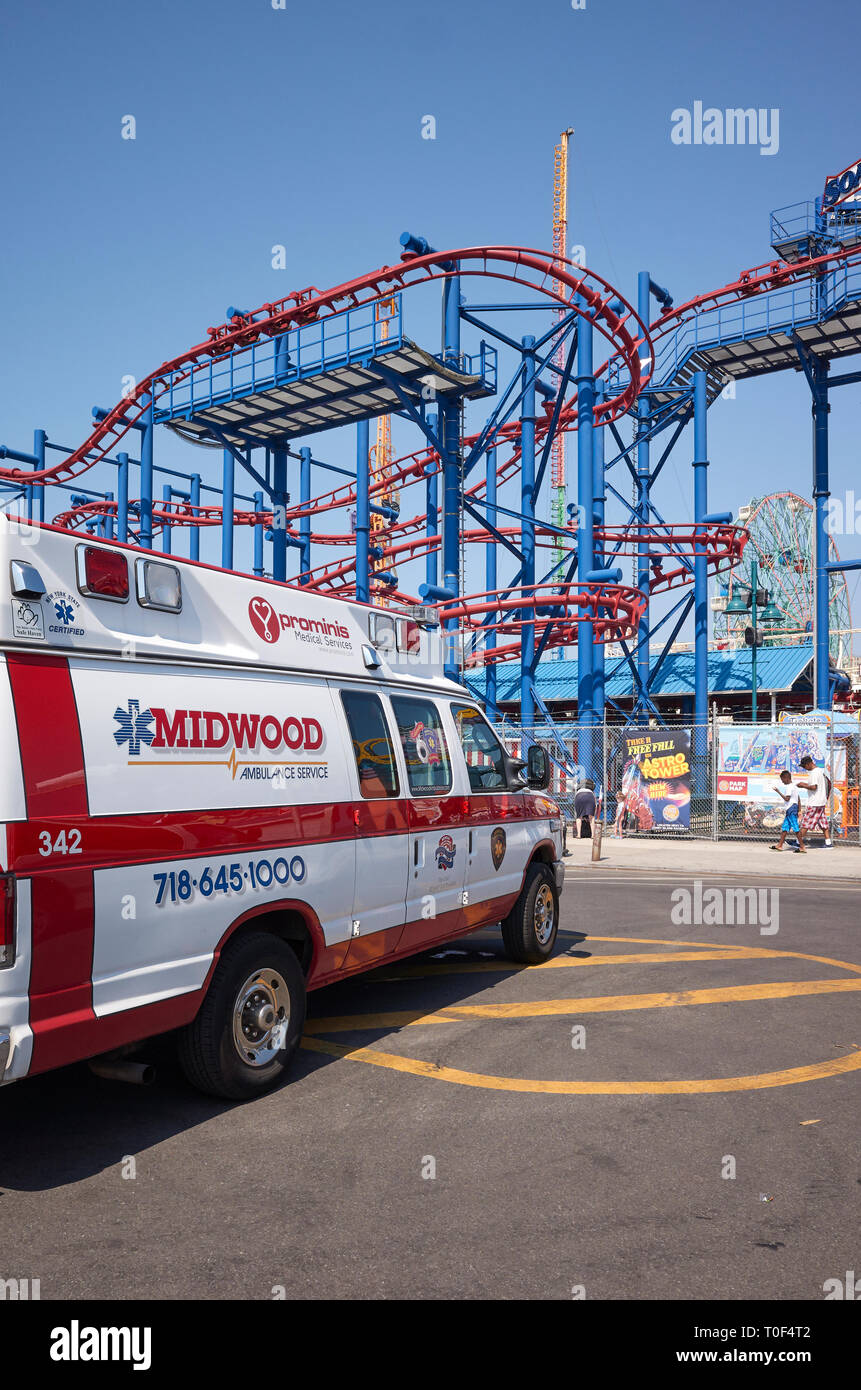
x=560 y=238
x=381 y=465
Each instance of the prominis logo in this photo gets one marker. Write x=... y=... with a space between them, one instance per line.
x=157 y=729
x=269 y=625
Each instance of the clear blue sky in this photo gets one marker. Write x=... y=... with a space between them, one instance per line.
x=302 y=126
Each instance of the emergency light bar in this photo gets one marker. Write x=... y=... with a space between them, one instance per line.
x=423 y=614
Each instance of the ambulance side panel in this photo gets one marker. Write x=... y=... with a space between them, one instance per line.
x=252 y=825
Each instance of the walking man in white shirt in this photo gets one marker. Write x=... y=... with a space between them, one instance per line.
x=815 y=816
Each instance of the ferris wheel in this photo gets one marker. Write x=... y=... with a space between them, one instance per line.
x=781 y=543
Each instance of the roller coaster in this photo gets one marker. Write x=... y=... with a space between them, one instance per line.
x=319 y=361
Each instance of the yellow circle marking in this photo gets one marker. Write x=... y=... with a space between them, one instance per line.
x=596 y=1004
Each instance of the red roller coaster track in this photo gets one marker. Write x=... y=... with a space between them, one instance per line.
x=614 y=610
x=609 y=313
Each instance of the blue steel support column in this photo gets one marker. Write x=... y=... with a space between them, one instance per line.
x=304 y=499
x=146 y=481
x=822 y=691
x=490 y=582
x=527 y=542
x=166 y=531
x=598 y=504
x=258 y=537
x=39 y=439
x=432 y=518
x=363 y=514
x=194 y=499
x=123 y=497
x=701 y=590
x=279 y=524
x=585 y=519
x=451 y=484
x=228 y=473
x=108 y=520
x=643 y=481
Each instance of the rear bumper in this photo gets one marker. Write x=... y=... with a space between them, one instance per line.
x=559 y=874
x=5 y=1047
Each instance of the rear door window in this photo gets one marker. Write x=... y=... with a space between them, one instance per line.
x=372 y=744
x=424 y=745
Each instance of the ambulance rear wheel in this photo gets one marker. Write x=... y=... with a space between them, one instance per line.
x=529 y=930
x=250 y=1022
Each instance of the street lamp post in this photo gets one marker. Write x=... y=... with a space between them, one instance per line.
x=754 y=576
x=762 y=610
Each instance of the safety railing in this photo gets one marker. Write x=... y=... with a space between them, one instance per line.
x=781 y=310
x=332 y=341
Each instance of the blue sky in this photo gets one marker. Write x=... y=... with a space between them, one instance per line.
x=302 y=127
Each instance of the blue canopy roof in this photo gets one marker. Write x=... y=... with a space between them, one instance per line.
x=777 y=668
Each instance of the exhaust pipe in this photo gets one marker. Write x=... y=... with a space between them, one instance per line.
x=138 y=1073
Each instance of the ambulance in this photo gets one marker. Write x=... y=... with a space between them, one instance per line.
x=218 y=793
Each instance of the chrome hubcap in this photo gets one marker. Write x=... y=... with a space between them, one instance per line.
x=544 y=915
x=260 y=1017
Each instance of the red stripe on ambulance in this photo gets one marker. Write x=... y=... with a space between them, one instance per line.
x=155 y=836
x=49 y=734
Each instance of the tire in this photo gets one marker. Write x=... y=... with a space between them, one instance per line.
x=237 y=1051
x=529 y=930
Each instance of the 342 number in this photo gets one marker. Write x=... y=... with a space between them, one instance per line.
x=66 y=842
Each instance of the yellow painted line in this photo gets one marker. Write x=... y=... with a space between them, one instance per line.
x=761 y=1082
x=702 y=950
x=712 y=946
x=599 y=1004
x=622 y=1003
x=499 y=966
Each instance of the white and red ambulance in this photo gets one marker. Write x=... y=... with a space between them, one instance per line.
x=219 y=792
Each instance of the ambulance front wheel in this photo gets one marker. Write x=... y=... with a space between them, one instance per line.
x=529 y=930
x=250 y=1022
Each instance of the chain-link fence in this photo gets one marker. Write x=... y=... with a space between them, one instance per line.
x=716 y=781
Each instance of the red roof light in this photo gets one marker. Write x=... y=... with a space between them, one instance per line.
x=106 y=573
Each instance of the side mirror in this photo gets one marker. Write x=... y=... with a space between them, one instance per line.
x=515 y=769
x=538 y=768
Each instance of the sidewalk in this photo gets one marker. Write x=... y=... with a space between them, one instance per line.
x=688 y=858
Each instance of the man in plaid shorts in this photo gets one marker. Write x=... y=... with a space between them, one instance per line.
x=815 y=816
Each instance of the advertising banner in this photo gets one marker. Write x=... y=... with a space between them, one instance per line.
x=656 y=778
x=750 y=760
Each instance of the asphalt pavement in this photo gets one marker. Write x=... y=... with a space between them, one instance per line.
x=667 y=1109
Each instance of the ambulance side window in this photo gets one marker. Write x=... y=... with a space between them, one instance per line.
x=485 y=756
x=372 y=744
x=425 y=749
